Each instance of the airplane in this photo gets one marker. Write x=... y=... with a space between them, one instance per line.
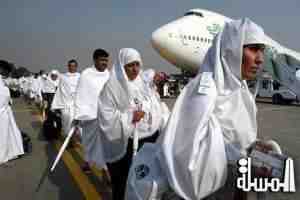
x=185 y=41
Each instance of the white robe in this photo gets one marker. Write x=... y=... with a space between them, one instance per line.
x=36 y=89
x=90 y=85
x=119 y=98
x=10 y=137
x=64 y=98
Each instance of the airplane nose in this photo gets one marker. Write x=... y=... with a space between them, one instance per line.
x=156 y=39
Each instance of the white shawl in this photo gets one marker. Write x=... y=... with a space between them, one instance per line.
x=65 y=94
x=216 y=108
x=90 y=85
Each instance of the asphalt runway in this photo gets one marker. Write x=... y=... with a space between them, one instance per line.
x=20 y=177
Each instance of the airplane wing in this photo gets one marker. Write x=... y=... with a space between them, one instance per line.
x=282 y=64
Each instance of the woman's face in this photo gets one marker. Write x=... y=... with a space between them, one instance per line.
x=132 y=70
x=54 y=77
x=253 y=57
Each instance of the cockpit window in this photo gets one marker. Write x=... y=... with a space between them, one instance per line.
x=194 y=13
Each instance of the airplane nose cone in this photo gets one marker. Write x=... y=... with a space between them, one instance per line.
x=157 y=39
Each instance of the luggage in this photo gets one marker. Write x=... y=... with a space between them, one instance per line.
x=27 y=144
x=146 y=180
x=52 y=126
x=14 y=93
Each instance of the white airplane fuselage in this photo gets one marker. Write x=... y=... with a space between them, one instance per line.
x=185 y=41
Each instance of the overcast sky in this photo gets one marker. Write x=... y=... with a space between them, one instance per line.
x=40 y=34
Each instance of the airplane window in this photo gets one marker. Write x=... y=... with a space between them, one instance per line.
x=201 y=39
x=194 y=13
x=194 y=38
x=205 y=40
x=197 y=38
x=184 y=36
x=190 y=37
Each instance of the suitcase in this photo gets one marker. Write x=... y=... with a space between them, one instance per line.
x=52 y=126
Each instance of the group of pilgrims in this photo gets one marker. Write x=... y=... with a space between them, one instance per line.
x=149 y=151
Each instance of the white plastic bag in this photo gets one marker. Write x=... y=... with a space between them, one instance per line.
x=146 y=180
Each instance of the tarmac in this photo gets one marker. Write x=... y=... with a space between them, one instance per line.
x=28 y=177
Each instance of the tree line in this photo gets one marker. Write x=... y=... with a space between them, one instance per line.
x=10 y=69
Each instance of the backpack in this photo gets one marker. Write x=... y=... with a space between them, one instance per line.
x=52 y=126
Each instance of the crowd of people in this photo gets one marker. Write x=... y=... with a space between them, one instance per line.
x=121 y=120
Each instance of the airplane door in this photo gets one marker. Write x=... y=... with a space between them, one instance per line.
x=183 y=38
x=197 y=48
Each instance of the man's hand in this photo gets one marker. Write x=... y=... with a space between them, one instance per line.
x=137 y=116
x=76 y=136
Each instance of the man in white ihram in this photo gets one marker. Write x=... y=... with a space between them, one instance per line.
x=49 y=87
x=64 y=97
x=11 y=144
x=90 y=85
x=213 y=121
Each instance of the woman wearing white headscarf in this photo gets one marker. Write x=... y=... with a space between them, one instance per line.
x=215 y=115
x=126 y=108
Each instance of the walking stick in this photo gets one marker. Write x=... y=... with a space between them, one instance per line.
x=63 y=148
x=58 y=157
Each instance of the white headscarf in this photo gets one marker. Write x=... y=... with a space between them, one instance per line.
x=50 y=85
x=54 y=72
x=214 y=109
x=115 y=107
